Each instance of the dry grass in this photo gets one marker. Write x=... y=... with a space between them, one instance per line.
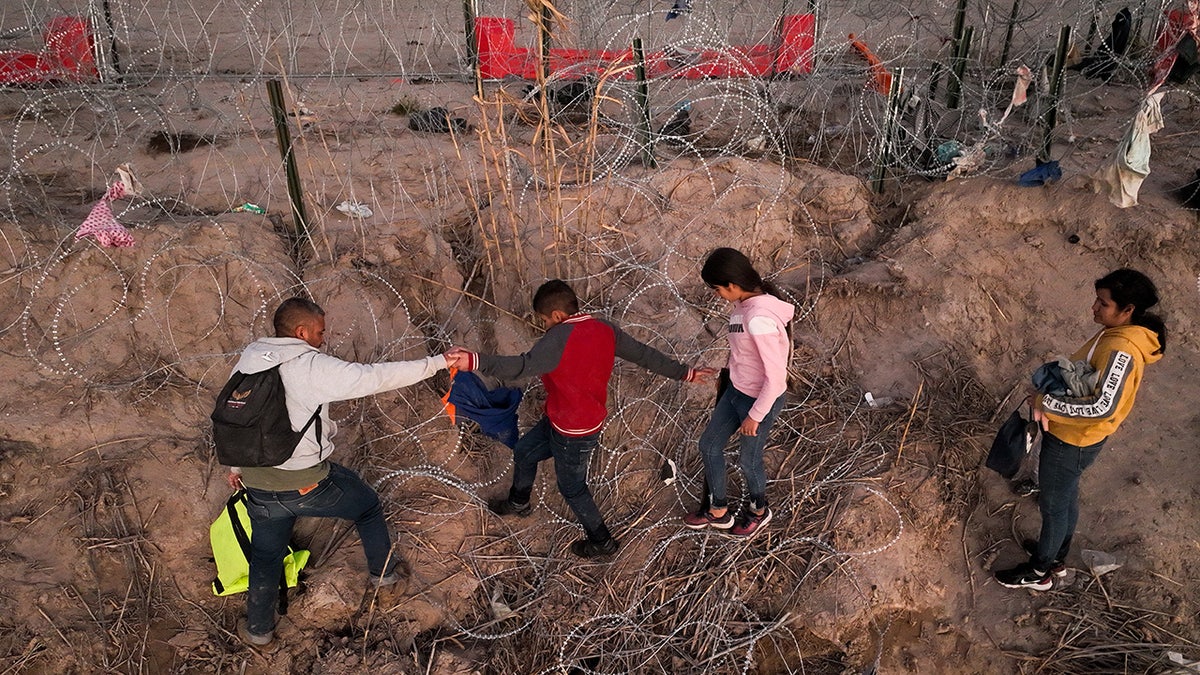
x=128 y=598
x=1098 y=633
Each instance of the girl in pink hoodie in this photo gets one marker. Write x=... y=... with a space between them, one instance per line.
x=759 y=346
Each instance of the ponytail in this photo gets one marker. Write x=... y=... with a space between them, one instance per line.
x=1155 y=323
x=771 y=289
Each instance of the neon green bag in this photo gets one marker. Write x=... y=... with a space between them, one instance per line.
x=230 y=537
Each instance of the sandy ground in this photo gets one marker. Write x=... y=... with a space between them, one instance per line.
x=940 y=296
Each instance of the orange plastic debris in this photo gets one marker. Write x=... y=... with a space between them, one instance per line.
x=451 y=409
x=882 y=78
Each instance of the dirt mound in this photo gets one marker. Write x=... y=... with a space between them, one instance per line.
x=1007 y=285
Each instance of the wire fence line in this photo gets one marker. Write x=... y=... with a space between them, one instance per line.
x=177 y=38
x=162 y=61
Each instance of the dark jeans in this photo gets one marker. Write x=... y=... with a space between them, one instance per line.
x=571 y=455
x=342 y=494
x=727 y=416
x=1059 y=470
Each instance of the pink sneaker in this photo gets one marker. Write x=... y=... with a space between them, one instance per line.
x=751 y=522
x=704 y=518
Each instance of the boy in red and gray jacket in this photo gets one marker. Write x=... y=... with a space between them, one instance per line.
x=575 y=359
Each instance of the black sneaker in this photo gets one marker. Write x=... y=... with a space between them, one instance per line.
x=506 y=507
x=1058 y=568
x=1025 y=576
x=586 y=548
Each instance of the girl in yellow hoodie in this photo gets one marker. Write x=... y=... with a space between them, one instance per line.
x=1076 y=428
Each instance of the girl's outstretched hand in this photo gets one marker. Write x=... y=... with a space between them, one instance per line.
x=702 y=375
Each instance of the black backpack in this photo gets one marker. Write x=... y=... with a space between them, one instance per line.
x=251 y=426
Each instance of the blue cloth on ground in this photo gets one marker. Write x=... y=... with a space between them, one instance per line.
x=1043 y=173
x=494 y=409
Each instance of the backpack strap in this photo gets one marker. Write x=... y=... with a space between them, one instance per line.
x=283 y=600
x=243 y=539
x=316 y=417
x=239 y=530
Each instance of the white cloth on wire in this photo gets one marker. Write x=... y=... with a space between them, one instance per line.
x=1131 y=164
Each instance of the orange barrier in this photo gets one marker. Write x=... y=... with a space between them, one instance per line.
x=67 y=55
x=499 y=56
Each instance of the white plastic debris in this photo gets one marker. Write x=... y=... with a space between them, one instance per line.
x=1187 y=667
x=500 y=610
x=880 y=402
x=668 y=471
x=133 y=187
x=1099 y=562
x=355 y=209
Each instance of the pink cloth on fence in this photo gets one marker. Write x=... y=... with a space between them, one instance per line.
x=102 y=224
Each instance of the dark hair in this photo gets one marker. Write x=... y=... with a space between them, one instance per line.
x=555 y=294
x=292 y=313
x=1131 y=288
x=726 y=266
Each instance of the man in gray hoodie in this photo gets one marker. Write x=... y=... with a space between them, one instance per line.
x=308 y=484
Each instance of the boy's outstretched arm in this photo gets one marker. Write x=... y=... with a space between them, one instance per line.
x=635 y=351
x=542 y=358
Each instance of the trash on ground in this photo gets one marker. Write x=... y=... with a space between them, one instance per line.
x=1187 y=667
x=436 y=120
x=946 y=152
x=1099 y=562
x=500 y=609
x=877 y=402
x=1025 y=488
x=668 y=472
x=679 y=125
x=1043 y=174
x=968 y=161
x=355 y=209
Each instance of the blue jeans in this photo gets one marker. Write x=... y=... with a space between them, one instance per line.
x=571 y=455
x=727 y=416
x=342 y=494
x=1059 y=469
